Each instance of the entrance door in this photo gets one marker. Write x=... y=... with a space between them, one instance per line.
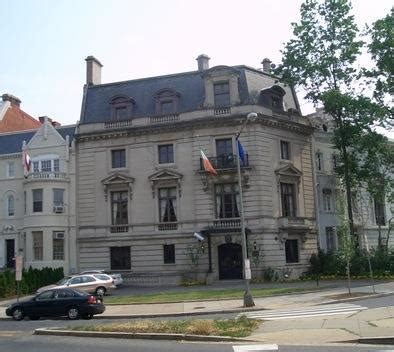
x=10 y=253
x=230 y=261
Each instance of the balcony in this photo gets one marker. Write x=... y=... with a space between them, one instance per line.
x=222 y=111
x=167 y=226
x=47 y=175
x=119 y=228
x=227 y=223
x=118 y=124
x=164 y=118
x=228 y=161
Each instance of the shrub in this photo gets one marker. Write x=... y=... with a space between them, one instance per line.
x=32 y=279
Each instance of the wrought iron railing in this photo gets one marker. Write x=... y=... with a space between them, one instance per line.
x=228 y=161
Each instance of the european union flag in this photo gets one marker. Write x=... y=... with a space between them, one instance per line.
x=241 y=153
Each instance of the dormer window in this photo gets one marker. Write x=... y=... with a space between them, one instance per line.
x=167 y=102
x=121 y=108
x=272 y=97
x=221 y=93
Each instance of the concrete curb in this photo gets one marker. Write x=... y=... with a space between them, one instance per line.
x=350 y=299
x=152 y=336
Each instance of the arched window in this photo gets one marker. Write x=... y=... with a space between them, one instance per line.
x=121 y=107
x=11 y=205
x=167 y=101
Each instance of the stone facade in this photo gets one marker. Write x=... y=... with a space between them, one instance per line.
x=37 y=218
x=142 y=191
x=330 y=194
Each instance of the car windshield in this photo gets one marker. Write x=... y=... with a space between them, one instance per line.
x=62 y=281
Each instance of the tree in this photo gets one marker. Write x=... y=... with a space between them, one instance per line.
x=322 y=60
x=381 y=50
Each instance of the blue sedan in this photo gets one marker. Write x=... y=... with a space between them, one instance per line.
x=57 y=302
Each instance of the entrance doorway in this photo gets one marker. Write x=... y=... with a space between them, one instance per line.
x=230 y=261
x=10 y=253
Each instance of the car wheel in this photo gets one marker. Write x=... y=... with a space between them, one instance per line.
x=34 y=317
x=88 y=316
x=17 y=314
x=100 y=291
x=73 y=313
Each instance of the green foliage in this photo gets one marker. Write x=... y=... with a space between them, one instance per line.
x=270 y=275
x=194 y=253
x=32 y=279
x=334 y=264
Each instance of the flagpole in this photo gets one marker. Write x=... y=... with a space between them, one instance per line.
x=248 y=298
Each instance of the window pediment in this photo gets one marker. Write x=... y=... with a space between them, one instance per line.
x=221 y=70
x=117 y=180
x=165 y=177
x=288 y=171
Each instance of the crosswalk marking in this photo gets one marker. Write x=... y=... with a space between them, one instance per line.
x=332 y=309
x=247 y=348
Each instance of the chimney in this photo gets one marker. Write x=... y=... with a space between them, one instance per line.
x=93 y=70
x=266 y=65
x=203 y=62
x=12 y=99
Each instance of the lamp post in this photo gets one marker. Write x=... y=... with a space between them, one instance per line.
x=248 y=299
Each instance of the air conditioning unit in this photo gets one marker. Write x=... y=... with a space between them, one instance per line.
x=58 y=208
x=58 y=235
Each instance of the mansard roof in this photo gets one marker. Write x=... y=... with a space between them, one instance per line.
x=12 y=142
x=189 y=86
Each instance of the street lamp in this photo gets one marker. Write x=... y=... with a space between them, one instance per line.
x=248 y=299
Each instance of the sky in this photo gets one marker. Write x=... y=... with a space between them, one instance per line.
x=44 y=43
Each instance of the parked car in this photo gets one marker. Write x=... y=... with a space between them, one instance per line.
x=57 y=302
x=92 y=283
x=118 y=280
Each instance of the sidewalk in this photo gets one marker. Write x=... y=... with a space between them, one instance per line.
x=378 y=322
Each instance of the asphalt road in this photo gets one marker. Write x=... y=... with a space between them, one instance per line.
x=32 y=343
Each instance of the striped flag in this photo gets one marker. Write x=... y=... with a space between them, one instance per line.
x=26 y=163
x=207 y=164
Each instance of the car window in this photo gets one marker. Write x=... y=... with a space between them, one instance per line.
x=76 y=280
x=63 y=281
x=102 y=277
x=45 y=295
x=63 y=294
x=88 y=279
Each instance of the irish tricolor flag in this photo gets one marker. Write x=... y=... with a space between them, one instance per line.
x=26 y=163
x=207 y=164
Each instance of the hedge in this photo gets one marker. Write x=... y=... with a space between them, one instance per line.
x=32 y=279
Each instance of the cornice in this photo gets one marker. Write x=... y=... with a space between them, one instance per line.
x=202 y=122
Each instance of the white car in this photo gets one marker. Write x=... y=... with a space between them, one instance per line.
x=118 y=280
x=94 y=283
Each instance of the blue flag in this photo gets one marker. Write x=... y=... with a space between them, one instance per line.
x=241 y=152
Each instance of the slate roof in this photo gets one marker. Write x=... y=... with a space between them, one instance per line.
x=12 y=142
x=190 y=86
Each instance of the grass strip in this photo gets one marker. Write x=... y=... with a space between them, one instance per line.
x=241 y=327
x=199 y=295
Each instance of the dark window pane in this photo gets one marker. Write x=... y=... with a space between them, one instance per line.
x=221 y=94
x=167 y=107
x=121 y=113
x=380 y=217
x=120 y=258
x=288 y=199
x=166 y=154
x=226 y=196
x=291 y=251
x=118 y=158
x=37 y=200
x=285 y=150
x=167 y=204
x=119 y=208
x=169 y=253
